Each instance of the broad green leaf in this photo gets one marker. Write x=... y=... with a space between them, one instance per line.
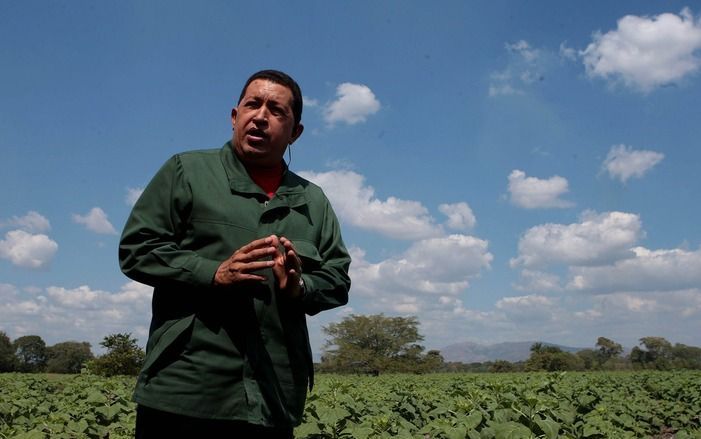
x=455 y=433
x=565 y=413
x=502 y=416
x=80 y=426
x=33 y=434
x=307 y=429
x=332 y=415
x=109 y=412
x=591 y=430
x=96 y=397
x=550 y=428
x=472 y=434
x=511 y=430
x=360 y=432
x=473 y=420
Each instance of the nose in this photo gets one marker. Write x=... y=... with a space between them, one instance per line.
x=261 y=115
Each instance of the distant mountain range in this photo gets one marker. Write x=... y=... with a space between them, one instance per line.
x=469 y=352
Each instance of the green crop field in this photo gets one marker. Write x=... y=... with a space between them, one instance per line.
x=532 y=405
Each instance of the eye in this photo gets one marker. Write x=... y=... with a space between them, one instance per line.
x=278 y=111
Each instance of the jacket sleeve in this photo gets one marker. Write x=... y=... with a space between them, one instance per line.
x=327 y=283
x=150 y=247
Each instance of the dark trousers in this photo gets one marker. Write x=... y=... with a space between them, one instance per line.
x=156 y=424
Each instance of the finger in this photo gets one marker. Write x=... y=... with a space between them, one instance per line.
x=287 y=244
x=296 y=262
x=248 y=267
x=256 y=277
x=231 y=278
x=290 y=249
x=258 y=243
x=254 y=255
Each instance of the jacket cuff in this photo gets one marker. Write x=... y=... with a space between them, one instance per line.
x=203 y=270
x=308 y=288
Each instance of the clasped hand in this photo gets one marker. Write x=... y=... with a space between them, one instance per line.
x=269 y=252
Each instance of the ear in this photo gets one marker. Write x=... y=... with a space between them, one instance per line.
x=297 y=132
x=234 y=113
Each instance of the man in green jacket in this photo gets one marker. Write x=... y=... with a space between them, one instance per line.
x=238 y=249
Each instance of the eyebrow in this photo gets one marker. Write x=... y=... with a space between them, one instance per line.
x=274 y=102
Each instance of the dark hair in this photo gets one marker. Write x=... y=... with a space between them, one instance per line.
x=283 y=79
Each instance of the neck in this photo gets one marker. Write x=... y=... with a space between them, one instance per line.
x=264 y=169
x=267 y=178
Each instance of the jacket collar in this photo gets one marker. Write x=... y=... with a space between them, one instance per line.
x=291 y=191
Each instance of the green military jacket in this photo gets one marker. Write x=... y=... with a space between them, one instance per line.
x=237 y=353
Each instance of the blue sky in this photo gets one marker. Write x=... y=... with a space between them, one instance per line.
x=504 y=171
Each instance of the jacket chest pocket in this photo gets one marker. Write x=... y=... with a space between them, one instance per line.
x=218 y=239
x=309 y=254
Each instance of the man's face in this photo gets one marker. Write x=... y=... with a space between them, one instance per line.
x=264 y=124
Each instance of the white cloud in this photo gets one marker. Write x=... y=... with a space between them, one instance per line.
x=28 y=250
x=83 y=313
x=627 y=317
x=32 y=222
x=633 y=303
x=524 y=49
x=576 y=320
x=354 y=103
x=646 y=52
x=356 y=204
x=460 y=216
x=340 y=163
x=567 y=52
x=310 y=102
x=653 y=309
x=647 y=270
x=597 y=239
x=503 y=90
x=533 y=307
x=27 y=246
x=623 y=162
x=96 y=221
x=533 y=193
x=533 y=280
x=635 y=291
x=8 y=292
x=131 y=293
x=82 y=297
x=133 y=194
x=441 y=266
x=526 y=66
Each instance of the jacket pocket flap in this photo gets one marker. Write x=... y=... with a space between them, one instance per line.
x=307 y=250
x=164 y=337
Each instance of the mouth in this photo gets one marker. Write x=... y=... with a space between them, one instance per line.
x=256 y=135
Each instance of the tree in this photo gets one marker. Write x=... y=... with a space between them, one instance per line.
x=8 y=361
x=123 y=357
x=500 y=366
x=638 y=357
x=374 y=343
x=433 y=361
x=591 y=359
x=657 y=353
x=686 y=357
x=539 y=348
x=68 y=357
x=608 y=349
x=551 y=358
x=30 y=351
